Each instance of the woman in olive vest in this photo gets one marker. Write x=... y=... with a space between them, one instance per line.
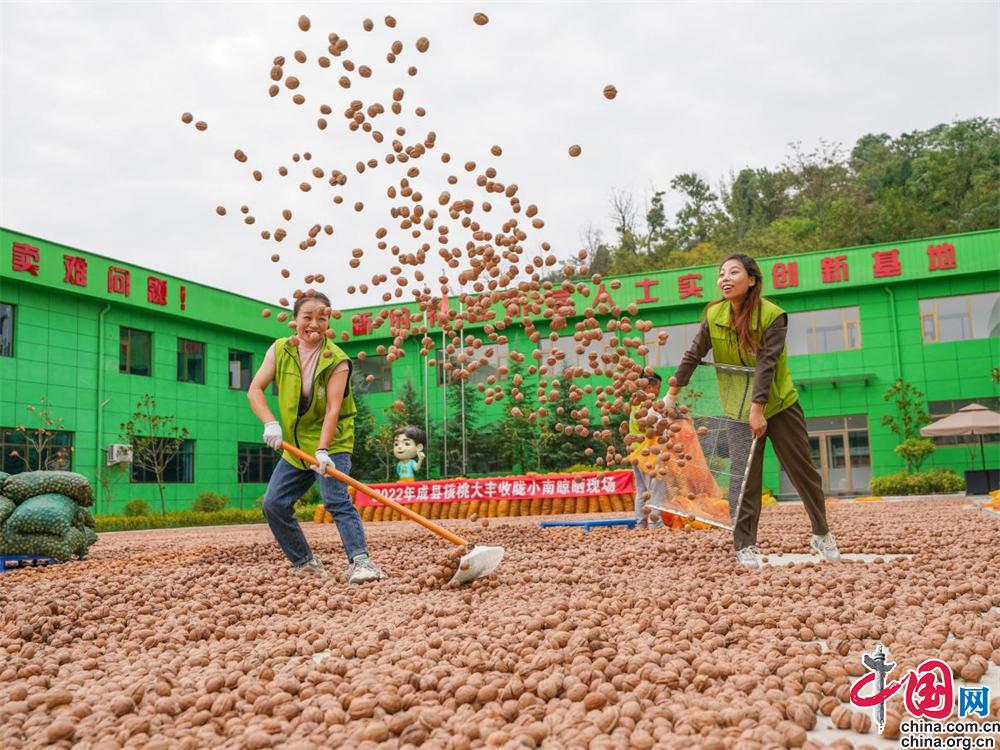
x=747 y=330
x=316 y=413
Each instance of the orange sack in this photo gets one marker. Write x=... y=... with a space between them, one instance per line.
x=694 y=478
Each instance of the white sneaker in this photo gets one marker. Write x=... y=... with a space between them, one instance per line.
x=748 y=557
x=363 y=571
x=312 y=566
x=825 y=547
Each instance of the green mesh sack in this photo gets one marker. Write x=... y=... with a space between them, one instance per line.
x=3 y=478
x=20 y=487
x=84 y=519
x=88 y=540
x=6 y=508
x=60 y=547
x=43 y=514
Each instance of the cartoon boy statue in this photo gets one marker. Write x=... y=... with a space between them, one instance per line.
x=408 y=445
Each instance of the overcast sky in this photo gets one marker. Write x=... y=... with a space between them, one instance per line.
x=93 y=153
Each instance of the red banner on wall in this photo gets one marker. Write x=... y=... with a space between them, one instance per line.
x=504 y=488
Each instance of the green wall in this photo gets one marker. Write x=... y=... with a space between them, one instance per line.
x=57 y=343
x=56 y=356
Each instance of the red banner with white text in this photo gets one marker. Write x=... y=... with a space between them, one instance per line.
x=504 y=488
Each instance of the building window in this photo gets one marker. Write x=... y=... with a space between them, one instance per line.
x=135 y=351
x=968 y=316
x=190 y=361
x=255 y=463
x=562 y=353
x=21 y=452
x=380 y=368
x=840 y=452
x=240 y=364
x=669 y=354
x=940 y=409
x=178 y=470
x=495 y=354
x=6 y=330
x=817 y=331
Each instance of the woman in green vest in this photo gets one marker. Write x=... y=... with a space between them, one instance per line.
x=316 y=413
x=746 y=330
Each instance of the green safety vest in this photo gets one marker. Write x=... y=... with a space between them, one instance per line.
x=736 y=389
x=304 y=429
x=633 y=420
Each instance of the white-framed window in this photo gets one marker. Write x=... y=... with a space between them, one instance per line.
x=240 y=370
x=498 y=354
x=669 y=353
x=380 y=368
x=965 y=316
x=815 y=331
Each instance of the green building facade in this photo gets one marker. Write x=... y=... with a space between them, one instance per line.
x=92 y=336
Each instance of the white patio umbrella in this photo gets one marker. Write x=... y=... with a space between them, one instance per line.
x=974 y=419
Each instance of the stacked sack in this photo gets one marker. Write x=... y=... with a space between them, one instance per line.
x=45 y=513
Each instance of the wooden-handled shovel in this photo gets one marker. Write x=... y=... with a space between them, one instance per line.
x=478 y=563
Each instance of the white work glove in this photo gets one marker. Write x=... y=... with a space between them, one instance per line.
x=670 y=401
x=272 y=435
x=322 y=461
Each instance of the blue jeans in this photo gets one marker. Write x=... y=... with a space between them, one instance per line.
x=287 y=485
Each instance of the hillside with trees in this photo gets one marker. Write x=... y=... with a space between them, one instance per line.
x=928 y=182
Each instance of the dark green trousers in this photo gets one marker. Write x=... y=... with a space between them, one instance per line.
x=787 y=432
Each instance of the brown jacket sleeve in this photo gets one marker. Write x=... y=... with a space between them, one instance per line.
x=767 y=358
x=700 y=346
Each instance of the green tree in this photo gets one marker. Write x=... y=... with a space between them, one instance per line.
x=518 y=441
x=696 y=221
x=479 y=456
x=911 y=412
x=911 y=415
x=914 y=452
x=917 y=184
x=40 y=449
x=561 y=445
x=656 y=220
x=110 y=478
x=368 y=462
x=155 y=439
x=379 y=436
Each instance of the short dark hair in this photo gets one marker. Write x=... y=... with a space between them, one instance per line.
x=310 y=295
x=413 y=432
x=654 y=377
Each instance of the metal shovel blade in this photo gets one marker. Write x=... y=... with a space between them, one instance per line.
x=692 y=516
x=477 y=564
